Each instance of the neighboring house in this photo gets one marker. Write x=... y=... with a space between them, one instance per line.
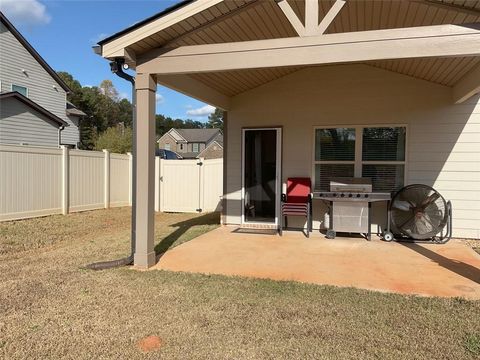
x=33 y=107
x=380 y=89
x=193 y=143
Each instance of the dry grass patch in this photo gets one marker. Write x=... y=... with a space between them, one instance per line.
x=51 y=308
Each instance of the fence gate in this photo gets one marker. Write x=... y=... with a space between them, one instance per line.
x=189 y=185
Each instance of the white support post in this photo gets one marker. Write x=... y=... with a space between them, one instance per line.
x=65 y=179
x=106 y=177
x=130 y=178
x=157 y=183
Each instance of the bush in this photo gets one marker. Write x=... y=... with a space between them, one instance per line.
x=115 y=139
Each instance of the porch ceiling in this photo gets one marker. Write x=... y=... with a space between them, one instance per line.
x=234 y=21
x=444 y=71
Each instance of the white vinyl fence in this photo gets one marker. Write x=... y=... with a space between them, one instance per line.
x=189 y=185
x=36 y=181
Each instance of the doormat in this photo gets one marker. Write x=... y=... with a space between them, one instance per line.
x=256 y=231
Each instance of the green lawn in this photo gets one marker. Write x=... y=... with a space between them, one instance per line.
x=50 y=308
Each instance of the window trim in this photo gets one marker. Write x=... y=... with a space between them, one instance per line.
x=198 y=147
x=359 y=162
x=26 y=88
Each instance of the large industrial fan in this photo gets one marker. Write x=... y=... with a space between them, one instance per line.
x=419 y=213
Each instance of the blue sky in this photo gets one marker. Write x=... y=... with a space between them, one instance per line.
x=64 y=31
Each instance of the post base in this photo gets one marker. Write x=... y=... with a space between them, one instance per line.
x=144 y=261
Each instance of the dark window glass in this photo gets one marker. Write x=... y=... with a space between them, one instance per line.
x=385 y=177
x=335 y=144
x=324 y=172
x=21 y=89
x=384 y=144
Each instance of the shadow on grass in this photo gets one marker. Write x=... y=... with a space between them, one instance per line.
x=463 y=269
x=203 y=224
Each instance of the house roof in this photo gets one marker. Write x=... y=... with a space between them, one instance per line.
x=197 y=135
x=202 y=22
x=33 y=52
x=72 y=110
x=33 y=105
x=139 y=24
x=219 y=143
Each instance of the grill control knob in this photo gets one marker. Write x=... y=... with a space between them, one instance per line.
x=366 y=195
x=358 y=195
x=334 y=194
x=350 y=195
x=343 y=195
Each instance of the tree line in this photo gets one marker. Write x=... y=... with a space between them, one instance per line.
x=108 y=120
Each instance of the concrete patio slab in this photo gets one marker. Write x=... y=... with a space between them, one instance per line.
x=448 y=270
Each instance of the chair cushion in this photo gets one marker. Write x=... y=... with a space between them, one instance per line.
x=298 y=190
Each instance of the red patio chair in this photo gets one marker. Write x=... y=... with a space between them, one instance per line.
x=297 y=202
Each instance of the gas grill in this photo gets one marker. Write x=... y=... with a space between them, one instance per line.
x=350 y=206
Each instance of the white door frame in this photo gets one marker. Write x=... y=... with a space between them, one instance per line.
x=278 y=176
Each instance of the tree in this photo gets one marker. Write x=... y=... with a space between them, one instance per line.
x=117 y=139
x=163 y=124
x=76 y=94
x=108 y=89
x=215 y=120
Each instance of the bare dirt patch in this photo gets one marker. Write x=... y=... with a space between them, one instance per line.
x=150 y=343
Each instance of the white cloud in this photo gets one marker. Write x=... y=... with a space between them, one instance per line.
x=159 y=99
x=25 y=12
x=202 y=111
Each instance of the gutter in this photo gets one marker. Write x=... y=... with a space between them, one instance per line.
x=60 y=135
x=117 y=67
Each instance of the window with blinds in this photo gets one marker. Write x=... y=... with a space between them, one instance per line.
x=379 y=156
x=334 y=155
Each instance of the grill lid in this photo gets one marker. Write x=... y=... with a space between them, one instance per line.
x=350 y=184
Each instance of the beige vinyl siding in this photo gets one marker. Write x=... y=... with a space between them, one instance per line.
x=443 y=139
x=20 y=124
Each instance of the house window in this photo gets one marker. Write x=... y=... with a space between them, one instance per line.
x=167 y=147
x=374 y=152
x=195 y=147
x=21 y=89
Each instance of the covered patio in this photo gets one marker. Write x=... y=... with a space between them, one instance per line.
x=300 y=69
x=451 y=270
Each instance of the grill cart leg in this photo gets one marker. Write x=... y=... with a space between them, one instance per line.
x=387 y=235
x=330 y=232
x=369 y=232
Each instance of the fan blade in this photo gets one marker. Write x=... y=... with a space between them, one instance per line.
x=430 y=200
x=402 y=205
x=403 y=225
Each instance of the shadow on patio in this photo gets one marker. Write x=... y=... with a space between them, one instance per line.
x=459 y=267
